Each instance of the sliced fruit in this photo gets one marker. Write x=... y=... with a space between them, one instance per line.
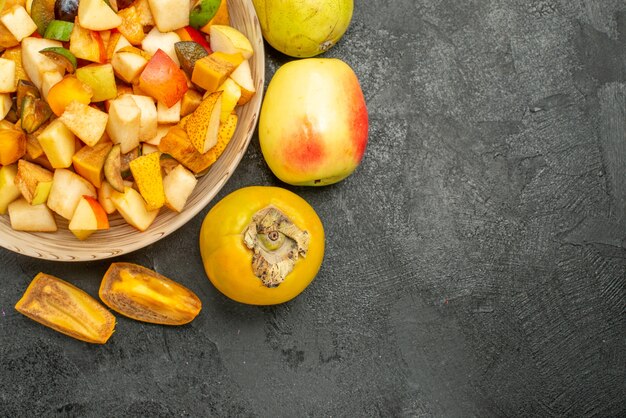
x=202 y=12
x=104 y=197
x=8 y=190
x=35 y=112
x=190 y=34
x=191 y=101
x=101 y=79
x=124 y=122
x=59 y=30
x=31 y=218
x=25 y=88
x=58 y=144
x=144 y=12
x=178 y=185
x=168 y=115
x=62 y=57
x=88 y=218
x=147 y=174
x=89 y=162
x=35 y=64
x=170 y=15
x=211 y=71
x=112 y=169
x=132 y=207
x=156 y=40
x=145 y=295
x=232 y=93
x=131 y=27
x=12 y=145
x=42 y=13
x=6 y=104
x=17 y=20
x=87 y=44
x=86 y=122
x=67 y=189
x=243 y=77
x=188 y=52
x=7 y=76
x=125 y=159
x=229 y=40
x=128 y=65
x=148 y=118
x=33 y=181
x=49 y=79
x=221 y=17
x=163 y=79
x=66 y=91
x=203 y=124
x=96 y=15
x=65 y=308
x=15 y=54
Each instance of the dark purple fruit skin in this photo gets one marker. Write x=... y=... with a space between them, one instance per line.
x=122 y=4
x=66 y=10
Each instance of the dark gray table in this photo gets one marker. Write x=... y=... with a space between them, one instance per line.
x=475 y=262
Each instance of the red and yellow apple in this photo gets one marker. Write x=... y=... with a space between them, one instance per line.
x=313 y=125
x=88 y=218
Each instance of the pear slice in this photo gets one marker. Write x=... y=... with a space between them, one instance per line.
x=204 y=123
x=97 y=15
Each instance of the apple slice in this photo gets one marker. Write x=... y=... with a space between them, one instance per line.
x=167 y=115
x=8 y=190
x=88 y=218
x=58 y=143
x=227 y=39
x=36 y=64
x=124 y=122
x=128 y=65
x=178 y=185
x=243 y=77
x=132 y=207
x=7 y=76
x=163 y=79
x=67 y=190
x=170 y=15
x=156 y=40
x=17 y=20
x=97 y=15
x=31 y=218
x=149 y=117
x=104 y=197
x=101 y=79
x=232 y=93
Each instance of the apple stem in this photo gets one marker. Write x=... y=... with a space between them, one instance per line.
x=276 y=243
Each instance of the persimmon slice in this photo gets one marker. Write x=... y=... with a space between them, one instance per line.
x=145 y=295
x=65 y=308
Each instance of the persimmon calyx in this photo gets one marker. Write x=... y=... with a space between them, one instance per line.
x=277 y=244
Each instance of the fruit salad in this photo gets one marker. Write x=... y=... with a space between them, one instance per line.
x=113 y=106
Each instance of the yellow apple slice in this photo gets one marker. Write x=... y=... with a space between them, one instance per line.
x=132 y=207
x=243 y=77
x=229 y=40
x=88 y=218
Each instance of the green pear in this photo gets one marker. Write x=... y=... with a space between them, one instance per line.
x=303 y=28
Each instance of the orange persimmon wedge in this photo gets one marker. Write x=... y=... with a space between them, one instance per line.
x=67 y=309
x=143 y=294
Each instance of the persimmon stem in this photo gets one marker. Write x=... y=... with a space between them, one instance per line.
x=277 y=244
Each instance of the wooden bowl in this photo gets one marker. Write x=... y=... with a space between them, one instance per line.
x=122 y=238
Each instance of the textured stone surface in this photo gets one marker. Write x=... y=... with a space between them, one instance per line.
x=475 y=262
